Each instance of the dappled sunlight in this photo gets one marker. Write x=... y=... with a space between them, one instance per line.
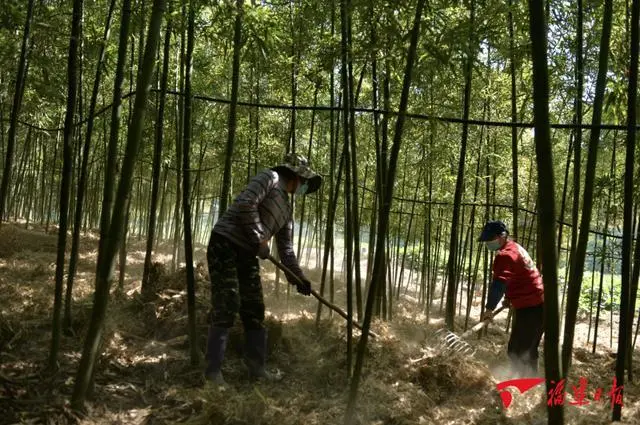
x=72 y=355
x=290 y=317
x=436 y=321
x=162 y=258
x=90 y=255
x=135 y=257
x=138 y=416
x=18 y=365
x=117 y=343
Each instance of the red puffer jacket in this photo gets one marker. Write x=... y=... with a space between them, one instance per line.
x=513 y=265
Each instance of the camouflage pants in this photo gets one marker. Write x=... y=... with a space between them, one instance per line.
x=235 y=285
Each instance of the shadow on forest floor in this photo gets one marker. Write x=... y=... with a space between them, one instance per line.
x=145 y=376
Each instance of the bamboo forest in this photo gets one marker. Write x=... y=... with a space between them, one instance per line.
x=357 y=212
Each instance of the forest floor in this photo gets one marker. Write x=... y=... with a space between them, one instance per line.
x=144 y=375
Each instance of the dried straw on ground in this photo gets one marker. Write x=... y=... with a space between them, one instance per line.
x=144 y=374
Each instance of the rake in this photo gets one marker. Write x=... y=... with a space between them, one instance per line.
x=333 y=307
x=450 y=341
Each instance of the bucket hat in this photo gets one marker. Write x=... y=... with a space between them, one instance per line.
x=300 y=166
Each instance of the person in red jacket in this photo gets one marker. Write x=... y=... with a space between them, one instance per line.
x=517 y=278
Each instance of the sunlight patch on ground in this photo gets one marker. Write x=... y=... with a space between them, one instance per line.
x=73 y=355
x=20 y=365
x=162 y=258
x=116 y=342
x=436 y=321
x=135 y=257
x=129 y=417
x=93 y=254
x=145 y=359
x=290 y=317
x=26 y=302
x=129 y=355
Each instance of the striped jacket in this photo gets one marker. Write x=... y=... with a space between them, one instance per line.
x=261 y=211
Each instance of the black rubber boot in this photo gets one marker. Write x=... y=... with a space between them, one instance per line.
x=216 y=345
x=256 y=355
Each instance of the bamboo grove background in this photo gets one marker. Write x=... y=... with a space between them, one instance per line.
x=418 y=114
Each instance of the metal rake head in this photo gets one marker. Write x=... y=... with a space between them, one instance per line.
x=452 y=342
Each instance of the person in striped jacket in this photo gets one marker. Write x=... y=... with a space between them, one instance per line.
x=261 y=211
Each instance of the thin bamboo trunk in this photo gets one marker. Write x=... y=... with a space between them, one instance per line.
x=194 y=353
x=231 y=135
x=43 y=183
x=453 y=243
x=114 y=131
x=295 y=60
x=384 y=212
x=376 y=130
x=328 y=240
x=104 y=275
x=577 y=146
x=604 y=245
x=15 y=111
x=146 y=290
x=593 y=278
x=72 y=87
x=355 y=226
x=409 y=227
x=51 y=181
x=629 y=286
x=304 y=199
x=577 y=266
x=471 y=276
x=162 y=219
x=333 y=198
x=563 y=201
x=82 y=183
x=348 y=181
x=546 y=189
x=179 y=134
x=514 y=130
x=16 y=196
x=397 y=232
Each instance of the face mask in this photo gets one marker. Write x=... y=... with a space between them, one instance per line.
x=302 y=188
x=493 y=245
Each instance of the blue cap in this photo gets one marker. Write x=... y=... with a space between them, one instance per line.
x=492 y=229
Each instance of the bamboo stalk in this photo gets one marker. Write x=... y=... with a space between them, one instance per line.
x=333 y=307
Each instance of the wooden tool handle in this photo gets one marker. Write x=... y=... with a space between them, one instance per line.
x=483 y=323
x=333 y=307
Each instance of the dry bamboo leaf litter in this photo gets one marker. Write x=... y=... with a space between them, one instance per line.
x=144 y=375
